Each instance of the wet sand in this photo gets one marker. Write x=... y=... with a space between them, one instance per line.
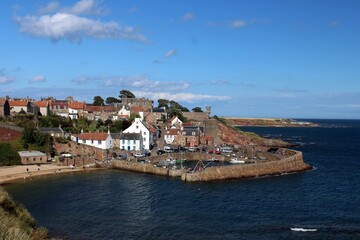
x=13 y=173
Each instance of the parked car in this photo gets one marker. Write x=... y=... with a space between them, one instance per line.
x=191 y=149
x=138 y=155
x=160 y=152
x=211 y=151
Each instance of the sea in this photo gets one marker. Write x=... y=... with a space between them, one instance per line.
x=323 y=203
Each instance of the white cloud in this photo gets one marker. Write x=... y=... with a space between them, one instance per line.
x=181 y=97
x=238 y=23
x=80 y=7
x=38 y=78
x=141 y=82
x=220 y=82
x=170 y=53
x=51 y=7
x=188 y=16
x=61 y=26
x=6 y=79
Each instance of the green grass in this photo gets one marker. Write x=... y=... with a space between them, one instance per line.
x=16 y=222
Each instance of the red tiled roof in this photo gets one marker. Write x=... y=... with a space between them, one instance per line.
x=18 y=103
x=77 y=105
x=152 y=129
x=42 y=104
x=2 y=102
x=93 y=136
x=173 y=131
x=138 y=109
x=60 y=104
x=91 y=108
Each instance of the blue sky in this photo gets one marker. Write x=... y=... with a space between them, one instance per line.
x=297 y=59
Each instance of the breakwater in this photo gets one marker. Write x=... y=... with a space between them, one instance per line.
x=291 y=161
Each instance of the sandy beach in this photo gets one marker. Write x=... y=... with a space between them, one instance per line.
x=27 y=172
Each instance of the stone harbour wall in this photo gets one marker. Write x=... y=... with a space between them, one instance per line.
x=145 y=168
x=81 y=154
x=292 y=163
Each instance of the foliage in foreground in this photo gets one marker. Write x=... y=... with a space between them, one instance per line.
x=16 y=222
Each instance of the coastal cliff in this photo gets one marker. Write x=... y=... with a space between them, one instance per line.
x=234 y=136
x=16 y=222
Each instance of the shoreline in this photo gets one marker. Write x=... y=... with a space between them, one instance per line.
x=10 y=174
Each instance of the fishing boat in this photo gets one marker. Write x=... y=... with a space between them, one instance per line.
x=236 y=161
x=180 y=160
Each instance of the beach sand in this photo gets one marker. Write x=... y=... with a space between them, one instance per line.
x=13 y=173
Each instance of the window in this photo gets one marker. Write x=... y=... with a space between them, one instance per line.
x=144 y=139
x=134 y=141
x=84 y=141
x=123 y=141
x=128 y=142
x=137 y=127
x=99 y=142
x=134 y=147
x=193 y=133
x=123 y=148
x=92 y=141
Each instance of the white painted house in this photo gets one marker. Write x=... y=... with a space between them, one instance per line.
x=131 y=142
x=175 y=121
x=124 y=112
x=95 y=139
x=170 y=135
x=139 y=127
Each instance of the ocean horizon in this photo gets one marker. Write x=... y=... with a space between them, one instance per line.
x=114 y=204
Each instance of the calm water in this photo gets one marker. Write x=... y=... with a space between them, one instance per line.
x=123 y=205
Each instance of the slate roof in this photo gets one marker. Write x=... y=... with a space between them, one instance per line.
x=31 y=153
x=47 y=130
x=130 y=136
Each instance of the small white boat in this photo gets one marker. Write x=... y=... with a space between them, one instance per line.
x=236 y=161
x=304 y=229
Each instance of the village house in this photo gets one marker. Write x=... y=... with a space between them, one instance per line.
x=54 y=132
x=99 y=112
x=175 y=122
x=44 y=107
x=94 y=139
x=191 y=135
x=32 y=157
x=4 y=108
x=76 y=110
x=17 y=106
x=123 y=113
x=131 y=142
x=170 y=135
x=139 y=127
x=60 y=108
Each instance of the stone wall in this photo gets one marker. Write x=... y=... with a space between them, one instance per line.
x=197 y=116
x=81 y=154
x=293 y=163
x=145 y=168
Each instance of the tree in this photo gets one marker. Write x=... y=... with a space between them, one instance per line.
x=176 y=112
x=197 y=109
x=98 y=101
x=163 y=103
x=126 y=94
x=110 y=100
